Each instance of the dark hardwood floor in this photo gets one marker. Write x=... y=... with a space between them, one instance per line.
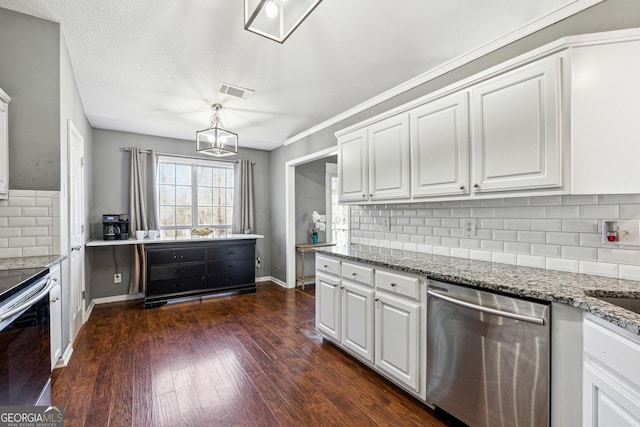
x=242 y=360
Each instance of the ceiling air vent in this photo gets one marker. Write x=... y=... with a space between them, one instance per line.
x=236 y=91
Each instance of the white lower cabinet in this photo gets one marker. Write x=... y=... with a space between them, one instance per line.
x=357 y=319
x=377 y=316
x=397 y=340
x=55 y=313
x=328 y=305
x=611 y=379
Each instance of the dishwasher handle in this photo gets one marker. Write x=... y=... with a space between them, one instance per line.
x=508 y=314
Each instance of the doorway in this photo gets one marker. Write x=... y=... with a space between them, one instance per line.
x=75 y=143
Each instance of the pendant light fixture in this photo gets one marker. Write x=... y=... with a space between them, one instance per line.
x=216 y=141
x=276 y=19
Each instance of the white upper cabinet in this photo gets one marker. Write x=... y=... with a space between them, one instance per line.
x=389 y=158
x=4 y=144
x=440 y=147
x=353 y=173
x=515 y=131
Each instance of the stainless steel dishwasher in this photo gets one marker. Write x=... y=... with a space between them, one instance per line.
x=487 y=356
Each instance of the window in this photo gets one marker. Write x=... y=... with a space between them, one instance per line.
x=337 y=214
x=194 y=193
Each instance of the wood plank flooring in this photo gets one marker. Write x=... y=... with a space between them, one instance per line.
x=241 y=360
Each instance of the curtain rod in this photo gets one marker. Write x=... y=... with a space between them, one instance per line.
x=185 y=156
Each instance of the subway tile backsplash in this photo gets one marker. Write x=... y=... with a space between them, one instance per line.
x=27 y=221
x=553 y=232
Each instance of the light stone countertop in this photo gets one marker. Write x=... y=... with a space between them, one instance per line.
x=44 y=261
x=577 y=290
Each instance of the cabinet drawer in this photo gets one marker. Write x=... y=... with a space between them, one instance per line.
x=357 y=273
x=170 y=256
x=230 y=266
x=397 y=284
x=176 y=271
x=328 y=265
x=230 y=279
x=176 y=286
x=231 y=252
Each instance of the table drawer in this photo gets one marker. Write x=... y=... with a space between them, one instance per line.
x=398 y=284
x=231 y=252
x=328 y=265
x=166 y=272
x=230 y=279
x=169 y=256
x=230 y=266
x=357 y=273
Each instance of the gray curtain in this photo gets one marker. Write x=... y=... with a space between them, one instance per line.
x=243 y=216
x=143 y=212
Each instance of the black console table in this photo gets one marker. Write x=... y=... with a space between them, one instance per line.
x=189 y=269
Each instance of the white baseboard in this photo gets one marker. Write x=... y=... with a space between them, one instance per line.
x=118 y=298
x=65 y=358
x=263 y=279
x=278 y=282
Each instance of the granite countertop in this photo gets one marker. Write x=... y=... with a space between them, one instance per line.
x=44 y=261
x=577 y=290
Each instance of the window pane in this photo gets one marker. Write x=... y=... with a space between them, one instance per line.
x=218 y=177
x=205 y=216
x=167 y=233
x=183 y=174
x=204 y=196
x=220 y=232
x=229 y=201
x=229 y=174
x=166 y=173
x=167 y=195
x=183 y=195
x=205 y=177
x=183 y=233
x=183 y=216
x=218 y=216
x=167 y=216
x=229 y=212
x=218 y=196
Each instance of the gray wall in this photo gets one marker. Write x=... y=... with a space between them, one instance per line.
x=310 y=196
x=30 y=74
x=110 y=190
x=608 y=15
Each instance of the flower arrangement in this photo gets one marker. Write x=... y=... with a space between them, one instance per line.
x=319 y=224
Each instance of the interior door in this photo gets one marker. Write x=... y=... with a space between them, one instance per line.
x=75 y=143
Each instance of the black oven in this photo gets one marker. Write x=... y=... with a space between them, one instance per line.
x=25 y=358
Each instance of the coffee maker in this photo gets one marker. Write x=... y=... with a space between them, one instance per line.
x=110 y=227
x=115 y=227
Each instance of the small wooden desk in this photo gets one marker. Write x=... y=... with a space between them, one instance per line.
x=303 y=248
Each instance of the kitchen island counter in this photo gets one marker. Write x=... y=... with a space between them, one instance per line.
x=147 y=241
x=577 y=290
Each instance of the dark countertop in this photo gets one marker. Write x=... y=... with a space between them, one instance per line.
x=577 y=290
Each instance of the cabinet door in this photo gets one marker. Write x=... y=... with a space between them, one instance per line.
x=440 y=147
x=389 y=158
x=4 y=145
x=328 y=306
x=607 y=401
x=357 y=319
x=396 y=338
x=353 y=173
x=516 y=129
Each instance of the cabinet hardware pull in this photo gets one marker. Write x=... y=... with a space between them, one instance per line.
x=364 y=196
x=76 y=248
x=354 y=274
x=394 y=284
x=326 y=266
x=341 y=287
x=377 y=299
x=461 y=187
x=476 y=185
x=370 y=194
x=230 y=253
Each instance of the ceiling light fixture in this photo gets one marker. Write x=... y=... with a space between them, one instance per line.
x=276 y=19
x=216 y=141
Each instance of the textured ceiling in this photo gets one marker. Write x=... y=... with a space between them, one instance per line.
x=154 y=67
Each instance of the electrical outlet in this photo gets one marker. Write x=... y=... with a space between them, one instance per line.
x=622 y=232
x=469 y=226
x=258 y=262
x=387 y=223
x=117 y=278
x=355 y=222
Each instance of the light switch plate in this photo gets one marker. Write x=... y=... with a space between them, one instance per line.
x=627 y=232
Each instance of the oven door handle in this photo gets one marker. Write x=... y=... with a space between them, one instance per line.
x=37 y=297
x=508 y=314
